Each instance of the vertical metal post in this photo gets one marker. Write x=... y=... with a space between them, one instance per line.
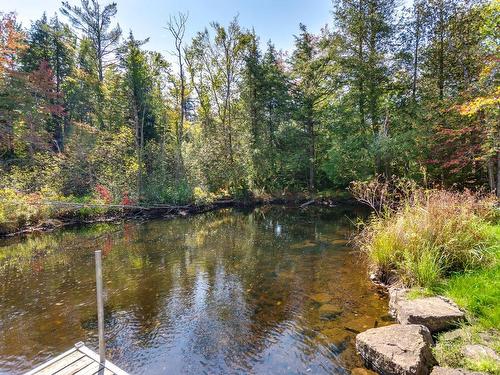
x=100 y=306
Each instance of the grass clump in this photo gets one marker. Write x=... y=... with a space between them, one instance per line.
x=449 y=349
x=430 y=236
x=478 y=292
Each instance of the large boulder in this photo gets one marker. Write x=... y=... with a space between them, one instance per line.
x=453 y=371
x=436 y=313
x=397 y=349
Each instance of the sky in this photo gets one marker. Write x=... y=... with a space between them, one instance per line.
x=277 y=20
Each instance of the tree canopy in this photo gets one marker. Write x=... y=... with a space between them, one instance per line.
x=383 y=90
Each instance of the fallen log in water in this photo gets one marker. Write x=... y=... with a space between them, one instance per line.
x=70 y=213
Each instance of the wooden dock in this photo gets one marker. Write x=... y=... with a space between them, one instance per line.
x=77 y=361
x=81 y=360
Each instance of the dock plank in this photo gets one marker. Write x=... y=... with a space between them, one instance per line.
x=95 y=369
x=72 y=369
x=60 y=364
x=90 y=370
x=77 y=361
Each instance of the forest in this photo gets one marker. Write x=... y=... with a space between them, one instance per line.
x=395 y=104
x=88 y=114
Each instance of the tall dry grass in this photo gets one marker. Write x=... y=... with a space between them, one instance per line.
x=430 y=235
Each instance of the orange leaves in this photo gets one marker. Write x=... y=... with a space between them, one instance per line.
x=11 y=41
x=104 y=193
x=41 y=83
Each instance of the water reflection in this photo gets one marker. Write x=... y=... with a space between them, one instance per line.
x=275 y=291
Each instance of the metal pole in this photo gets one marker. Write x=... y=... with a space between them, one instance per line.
x=100 y=306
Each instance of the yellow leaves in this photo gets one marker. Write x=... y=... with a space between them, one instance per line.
x=202 y=196
x=472 y=107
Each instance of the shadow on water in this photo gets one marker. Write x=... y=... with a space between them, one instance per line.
x=274 y=290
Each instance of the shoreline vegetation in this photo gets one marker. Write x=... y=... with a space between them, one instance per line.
x=23 y=214
x=439 y=242
x=93 y=116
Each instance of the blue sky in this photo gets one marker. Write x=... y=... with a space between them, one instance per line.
x=277 y=20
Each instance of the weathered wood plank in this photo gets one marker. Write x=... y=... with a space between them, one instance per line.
x=92 y=369
x=109 y=366
x=95 y=369
x=59 y=364
x=50 y=362
x=77 y=361
x=72 y=369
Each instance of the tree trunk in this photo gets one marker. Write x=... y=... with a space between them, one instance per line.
x=312 y=153
x=361 y=99
x=180 y=129
x=441 y=52
x=415 y=57
x=498 y=174
x=491 y=174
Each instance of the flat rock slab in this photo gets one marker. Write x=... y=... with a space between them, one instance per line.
x=453 y=371
x=436 y=313
x=479 y=352
x=397 y=349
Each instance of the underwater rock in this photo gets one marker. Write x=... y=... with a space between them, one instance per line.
x=321 y=297
x=329 y=311
x=362 y=371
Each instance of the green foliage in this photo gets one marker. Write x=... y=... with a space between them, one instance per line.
x=15 y=210
x=174 y=194
x=370 y=96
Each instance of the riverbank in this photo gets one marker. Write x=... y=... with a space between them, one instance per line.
x=22 y=214
x=443 y=249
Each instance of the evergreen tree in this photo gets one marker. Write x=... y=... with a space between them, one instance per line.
x=94 y=21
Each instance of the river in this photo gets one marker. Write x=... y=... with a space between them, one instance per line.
x=273 y=290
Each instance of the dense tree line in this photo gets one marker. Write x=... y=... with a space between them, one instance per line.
x=85 y=110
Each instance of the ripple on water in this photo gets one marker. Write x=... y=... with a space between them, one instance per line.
x=274 y=291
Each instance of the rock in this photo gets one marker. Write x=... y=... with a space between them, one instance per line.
x=478 y=352
x=360 y=324
x=321 y=297
x=336 y=336
x=362 y=371
x=397 y=349
x=329 y=311
x=453 y=371
x=436 y=313
x=489 y=337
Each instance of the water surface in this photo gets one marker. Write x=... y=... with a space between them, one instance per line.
x=274 y=290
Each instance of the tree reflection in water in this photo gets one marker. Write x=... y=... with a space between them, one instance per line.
x=273 y=290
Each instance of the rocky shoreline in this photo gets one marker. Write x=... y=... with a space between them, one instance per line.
x=405 y=348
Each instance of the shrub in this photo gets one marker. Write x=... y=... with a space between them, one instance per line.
x=15 y=210
x=429 y=235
